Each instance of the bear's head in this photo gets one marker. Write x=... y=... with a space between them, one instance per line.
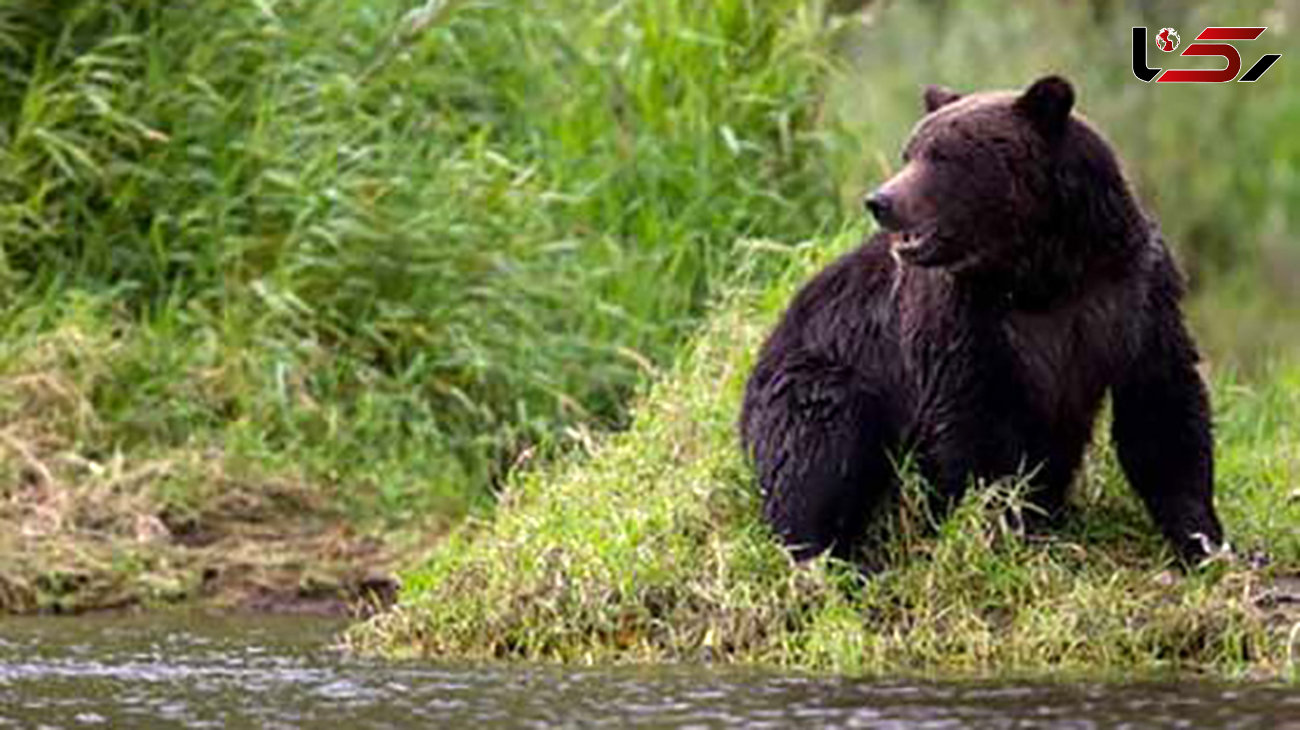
x=993 y=179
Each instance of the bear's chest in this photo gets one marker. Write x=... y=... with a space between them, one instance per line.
x=1065 y=358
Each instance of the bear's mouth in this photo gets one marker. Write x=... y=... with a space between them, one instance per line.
x=919 y=247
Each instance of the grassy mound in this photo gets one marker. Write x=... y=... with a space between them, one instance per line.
x=648 y=547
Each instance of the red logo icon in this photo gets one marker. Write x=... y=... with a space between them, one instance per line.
x=1167 y=40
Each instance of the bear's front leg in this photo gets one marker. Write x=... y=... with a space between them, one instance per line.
x=1163 y=437
x=820 y=443
x=981 y=441
x=973 y=419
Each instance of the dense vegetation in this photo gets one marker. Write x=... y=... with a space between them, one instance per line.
x=358 y=235
x=288 y=288
x=371 y=250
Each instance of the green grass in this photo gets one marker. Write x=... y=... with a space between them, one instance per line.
x=646 y=546
x=649 y=547
x=307 y=266
x=395 y=243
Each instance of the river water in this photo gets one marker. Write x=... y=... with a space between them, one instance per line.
x=195 y=670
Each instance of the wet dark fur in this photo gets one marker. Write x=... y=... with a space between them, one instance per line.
x=1052 y=289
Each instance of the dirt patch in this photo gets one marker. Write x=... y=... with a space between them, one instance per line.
x=1279 y=597
x=68 y=548
x=84 y=531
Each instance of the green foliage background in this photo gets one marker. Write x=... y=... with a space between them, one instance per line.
x=396 y=243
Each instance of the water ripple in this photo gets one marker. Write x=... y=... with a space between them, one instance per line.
x=197 y=671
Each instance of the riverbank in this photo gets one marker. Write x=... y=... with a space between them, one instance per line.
x=283 y=283
x=115 y=492
x=85 y=529
x=648 y=547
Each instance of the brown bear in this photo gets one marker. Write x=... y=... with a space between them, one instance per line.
x=1015 y=283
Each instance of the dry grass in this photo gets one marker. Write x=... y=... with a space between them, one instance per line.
x=90 y=526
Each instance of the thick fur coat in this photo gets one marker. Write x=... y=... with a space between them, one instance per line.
x=1017 y=282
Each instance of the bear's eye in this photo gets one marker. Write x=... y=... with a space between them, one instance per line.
x=938 y=155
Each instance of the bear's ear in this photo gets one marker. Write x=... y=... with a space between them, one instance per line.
x=1047 y=104
x=937 y=96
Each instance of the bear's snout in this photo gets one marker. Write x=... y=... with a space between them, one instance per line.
x=881 y=206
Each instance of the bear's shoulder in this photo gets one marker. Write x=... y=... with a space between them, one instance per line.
x=846 y=305
x=858 y=280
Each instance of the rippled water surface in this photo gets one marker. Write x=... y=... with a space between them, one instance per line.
x=195 y=670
